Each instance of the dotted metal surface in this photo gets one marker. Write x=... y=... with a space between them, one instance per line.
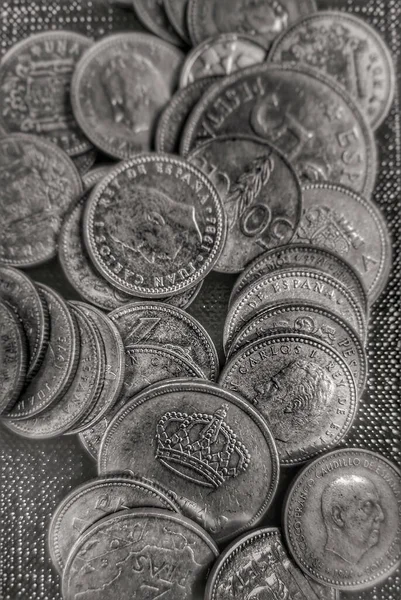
x=35 y=476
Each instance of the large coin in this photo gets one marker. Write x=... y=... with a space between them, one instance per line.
x=35 y=79
x=261 y=194
x=155 y=226
x=305 y=114
x=262 y=19
x=149 y=551
x=303 y=388
x=208 y=446
x=13 y=358
x=38 y=184
x=351 y=226
x=93 y=501
x=119 y=89
x=169 y=327
x=152 y=13
x=176 y=11
x=347 y=49
x=342 y=519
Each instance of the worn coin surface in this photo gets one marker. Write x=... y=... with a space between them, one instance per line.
x=84 y=162
x=303 y=388
x=342 y=519
x=351 y=226
x=303 y=113
x=155 y=226
x=262 y=19
x=173 y=329
x=93 y=501
x=152 y=13
x=260 y=191
x=38 y=184
x=347 y=49
x=35 y=80
x=208 y=446
x=13 y=358
x=221 y=55
x=120 y=87
x=176 y=11
x=148 y=550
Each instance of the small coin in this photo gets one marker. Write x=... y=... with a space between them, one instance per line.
x=140 y=542
x=35 y=81
x=152 y=13
x=261 y=194
x=303 y=113
x=155 y=226
x=206 y=445
x=116 y=112
x=176 y=11
x=303 y=388
x=172 y=328
x=94 y=500
x=84 y=162
x=38 y=185
x=92 y=177
x=342 y=519
x=221 y=55
x=347 y=49
x=13 y=358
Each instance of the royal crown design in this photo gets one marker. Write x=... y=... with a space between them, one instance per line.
x=200 y=447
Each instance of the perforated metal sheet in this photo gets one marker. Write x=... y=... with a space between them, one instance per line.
x=35 y=476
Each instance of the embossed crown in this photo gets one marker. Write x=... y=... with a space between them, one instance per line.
x=200 y=447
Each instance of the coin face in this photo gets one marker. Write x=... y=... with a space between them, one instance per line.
x=159 y=434
x=176 y=11
x=261 y=194
x=13 y=358
x=119 y=89
x=347 y=49
x=352 y=227
x=304 y=114
x=35 y=85
x=84 y=162
x=341 y=519
x=221 y=55
x=155 y=226
x=140 y=541
x=152 y=13
x=304 y=390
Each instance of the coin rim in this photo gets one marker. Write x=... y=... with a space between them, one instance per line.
x=176 y=23
x=146 y=19
x=21 y=362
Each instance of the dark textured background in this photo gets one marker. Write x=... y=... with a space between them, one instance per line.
x=35 y=476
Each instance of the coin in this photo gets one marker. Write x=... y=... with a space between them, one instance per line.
x=203 y=443
x=347 y=49
x=304 y=114
x=176 y=11
x=303 y=388
x=155 y=226
x=38 y=184
x=168 y=554
x=94 y=500
x=362 y=237
x=35 y=79
x=221 y=55
x=120 y=87
x=13 y=358
x=152 y=13
x=172 y=328
x=261 y=194
x=92 y=177
x=84 y=162
x=342 y=519
x=324 y=593
x=261 y=19
x=20 y=292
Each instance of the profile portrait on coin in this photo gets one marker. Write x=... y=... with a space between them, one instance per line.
x=352 y=515
x=252 y=16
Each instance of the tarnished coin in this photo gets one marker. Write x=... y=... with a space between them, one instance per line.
x=342 y=519
x=262 y=19
x=176 y=11
x=149 y=551
x=20 y=292
x=303 y=113
x=145 y=365
x=93 y=501
x=120 y=87
x=347 y=49
x=171 y=328
x=208 y=446
x=155 y=226
x=303 y=388
x=152 y=13
x=92 y=177
x=261 y=194
x=13 y=358
x=84 y=162
x=221 y=55
x=351 y=226
x=35 y=80
x=38 y=184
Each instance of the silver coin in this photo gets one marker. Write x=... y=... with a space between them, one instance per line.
x=152 y=13
x=13 y=358
x=323 y=592
x=206 y=445
x=92 y=177
x=342 y=519
x=84 y=162
x=176 y=11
